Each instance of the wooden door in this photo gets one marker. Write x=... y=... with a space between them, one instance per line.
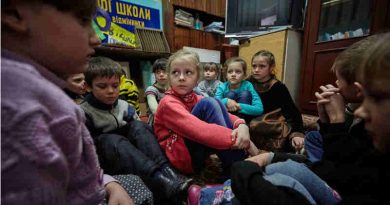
x=318 y=55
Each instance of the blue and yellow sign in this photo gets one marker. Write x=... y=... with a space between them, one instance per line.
x=116 y=20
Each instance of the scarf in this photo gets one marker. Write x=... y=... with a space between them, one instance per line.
x=262 y=87
x=188 y=98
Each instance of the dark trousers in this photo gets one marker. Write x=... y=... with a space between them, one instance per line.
x=212 y=110
x=314 y=146
x=133 y=149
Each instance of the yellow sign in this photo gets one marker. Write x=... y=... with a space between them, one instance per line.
x=118 y=33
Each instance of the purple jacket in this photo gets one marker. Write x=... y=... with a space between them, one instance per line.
x=47 y=154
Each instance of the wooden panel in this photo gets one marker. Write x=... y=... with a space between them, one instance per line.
x=381 y=13
x=319 y=75
x=212 y=41
x=222 y=8
x=185 y=3
x=197 y=39
x=124 y=54
x=212 y=7
x=201 y=5
x=168 y=16
x=216 y=7
x=181 y=38
x=274 y=42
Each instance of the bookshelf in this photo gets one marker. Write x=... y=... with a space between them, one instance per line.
x=179 y=35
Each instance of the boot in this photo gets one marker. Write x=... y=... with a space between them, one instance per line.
x=173 y=174
x=171 y=187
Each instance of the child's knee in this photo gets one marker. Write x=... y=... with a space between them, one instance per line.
x=313 y=136
x=231 y=95
x=246 y=94
x=281 y=167
x=245 y=97
x=208 y=101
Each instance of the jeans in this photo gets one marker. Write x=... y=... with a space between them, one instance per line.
x=278 y=179
x=138 y=153
x=313 y=146
x=212 y=110
x=297 y=172
x=244 y=97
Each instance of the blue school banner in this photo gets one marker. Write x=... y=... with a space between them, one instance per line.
x=116 y=20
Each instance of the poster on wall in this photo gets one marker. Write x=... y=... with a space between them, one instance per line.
x=116 y=20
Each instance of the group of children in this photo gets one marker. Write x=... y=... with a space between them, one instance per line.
x=347 y=159
x=53 y=152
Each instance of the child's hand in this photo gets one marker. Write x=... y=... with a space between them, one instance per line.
x=252 y=150
x=321 y=108
x=232 y=105
x=335 y=106
x=297 y=140
x=117 y=195
x=260 y=159
x=323 y=98
x=336 y=109
x=241 y=134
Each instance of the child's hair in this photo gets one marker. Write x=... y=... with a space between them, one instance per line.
x=376 y=64
x=66 y=76
x=80 y=8
x=265 y=53
x=160 y=63
x=189 y=55
x=123 y=72
x=348 y=61
x=211 y=66
x=237 y=60
x=102 y=67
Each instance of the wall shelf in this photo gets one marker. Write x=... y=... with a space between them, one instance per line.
x=121 y=53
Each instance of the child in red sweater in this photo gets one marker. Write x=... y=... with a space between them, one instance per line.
x=189 y=127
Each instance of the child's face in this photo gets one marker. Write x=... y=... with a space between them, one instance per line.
x=58 y=40
x=76 y=83
x=261 y=70
x=235 y=73
x=183 y=76
x=350 y=92
x=375 y=110
x=211 y=73
x=161 y=76
x=106 y=89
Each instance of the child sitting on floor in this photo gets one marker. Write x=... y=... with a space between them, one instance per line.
x=358 y=174
x=124 y=144
x=237 y=94
x=345 y=68
x=128 y=91
x=189 y=127
x=48 y=155
x=275 y=95
x=75 y=87
x=208 y=86
x=156 y=92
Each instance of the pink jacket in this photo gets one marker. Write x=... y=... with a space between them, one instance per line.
x=174 y=121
